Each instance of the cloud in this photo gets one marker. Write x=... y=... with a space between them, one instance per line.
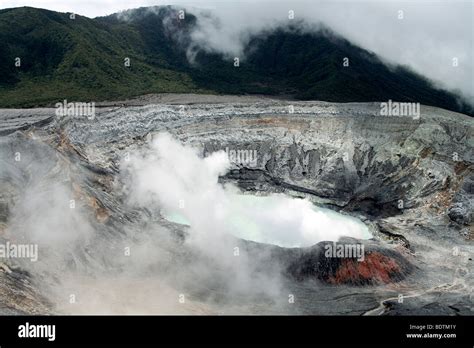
x=430 y=37
x=434 y=39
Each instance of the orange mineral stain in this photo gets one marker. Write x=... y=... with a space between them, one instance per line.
x=375 y=267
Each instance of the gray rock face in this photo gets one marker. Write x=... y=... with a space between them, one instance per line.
x=461 y=213
x=409 y=179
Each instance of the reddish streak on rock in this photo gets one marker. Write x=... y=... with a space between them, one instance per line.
x=376 y=267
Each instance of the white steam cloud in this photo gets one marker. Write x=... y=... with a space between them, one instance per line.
x=173 y=178
x=86 y=266
x=143 y=266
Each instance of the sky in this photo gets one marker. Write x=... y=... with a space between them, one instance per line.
x=434 y=38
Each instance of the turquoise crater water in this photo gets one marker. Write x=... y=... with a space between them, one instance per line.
x=281 y=220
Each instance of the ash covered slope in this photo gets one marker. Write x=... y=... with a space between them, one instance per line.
x=345 y=156
x=83 y=60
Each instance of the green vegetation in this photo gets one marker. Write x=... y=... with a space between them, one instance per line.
x=83 y=59
x=80 y=59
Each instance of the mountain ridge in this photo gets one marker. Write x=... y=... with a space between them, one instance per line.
x=83 y=59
